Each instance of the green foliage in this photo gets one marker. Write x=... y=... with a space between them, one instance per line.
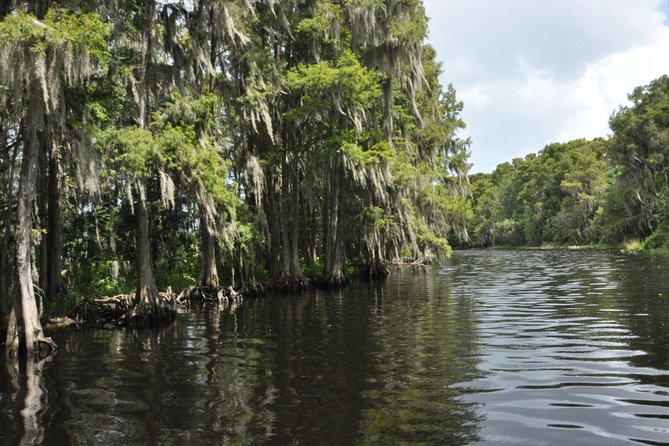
x=364 y=156
x=639 y=150
x=180 y=270
x=344 y=84
x=657 y=240
x=103 y=283
x=64 y=304
x=71 y=33
x=249 y=120
x=85 y=31
x=582 y=192
x=22 y=27
x=322 y=26
x=554 y=196
x=313 y=269
x=135 y=151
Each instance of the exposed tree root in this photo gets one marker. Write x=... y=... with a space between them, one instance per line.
x=163 y=312
x=331 y=282
x=374 y=271
x=149 y=316
x=196 y=294
x=44 y=346
x=202 y=294
x=103 y=310
x=422 y=262
x=121 y=310
x=421 y=265
x=253 y=289
x=290 y=286
x=62 y=322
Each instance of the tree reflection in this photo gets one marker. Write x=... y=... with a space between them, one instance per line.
x=230 y=375
x=23 y=401
x=643 y=294
x=621 y=294
x=423 y=350
x=9 y=402
x=34 y=402
x=323 y=368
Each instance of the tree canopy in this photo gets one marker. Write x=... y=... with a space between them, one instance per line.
x=277 y=143
x=582 y=192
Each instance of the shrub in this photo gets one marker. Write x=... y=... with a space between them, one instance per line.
x=658 y=239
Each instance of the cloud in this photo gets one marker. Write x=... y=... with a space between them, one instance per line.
x=531 y=73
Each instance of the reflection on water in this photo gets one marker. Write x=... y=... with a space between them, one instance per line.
x=495 y=348
x=573 y=347
x=25 y=398
x=422 y=350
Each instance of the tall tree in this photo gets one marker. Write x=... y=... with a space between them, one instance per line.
x=639 y=150
x=46 y=52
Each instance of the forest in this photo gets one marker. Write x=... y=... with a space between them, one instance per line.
x=607 y=192
x=219 y=145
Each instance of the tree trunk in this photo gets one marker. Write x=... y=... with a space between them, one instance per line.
x=311 y=239
x=5 y=229
x=6 y=7
x=149 y=309
x=290 y=277
x=274 y=228
x=40 y=7
x=285 y=218
x=54 y=236
x=147 y=292
x=295 y=268
x=376 y=268
x=36 y=342
x=42 y=212
x=146 y=51
x=208 y=271
x=388 y=101
x=333 y=274
x=327 y=223
x=12 y=336
x=4 y=283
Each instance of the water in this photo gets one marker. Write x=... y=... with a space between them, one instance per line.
x=497 y=347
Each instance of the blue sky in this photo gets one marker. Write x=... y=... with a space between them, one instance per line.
x=535 y=72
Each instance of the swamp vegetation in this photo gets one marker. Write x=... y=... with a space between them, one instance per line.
x=254 y=144
x=605 y=192
x=226 y=148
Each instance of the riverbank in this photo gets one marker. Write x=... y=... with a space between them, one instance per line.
x=628 y=246
x=110 y=311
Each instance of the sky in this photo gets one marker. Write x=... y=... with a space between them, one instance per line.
x=534 y=72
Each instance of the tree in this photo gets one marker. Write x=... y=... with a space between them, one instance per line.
x=46 y=53
x=262 y=136
x=639 y=151
x=552 y=196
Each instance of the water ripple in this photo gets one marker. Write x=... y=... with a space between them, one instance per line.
x=578 y=320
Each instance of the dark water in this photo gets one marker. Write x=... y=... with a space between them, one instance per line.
x=524 y=348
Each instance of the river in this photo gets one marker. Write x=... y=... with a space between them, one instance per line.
x=495 y=347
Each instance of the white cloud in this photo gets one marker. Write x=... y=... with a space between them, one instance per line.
x=531 y=73
x=474 y=96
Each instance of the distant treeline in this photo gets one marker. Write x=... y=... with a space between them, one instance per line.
x=606 y=191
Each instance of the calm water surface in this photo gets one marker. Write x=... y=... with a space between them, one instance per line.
x=497 y=347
